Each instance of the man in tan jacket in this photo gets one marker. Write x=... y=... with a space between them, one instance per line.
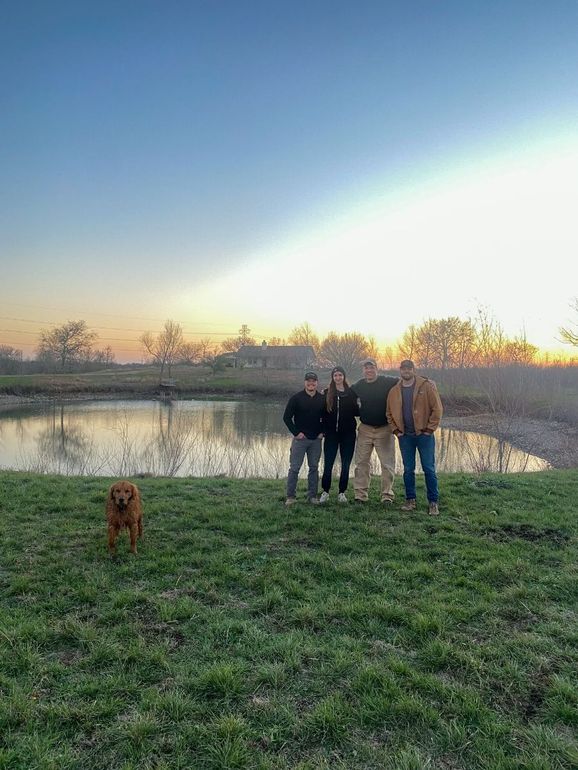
x=414 y=411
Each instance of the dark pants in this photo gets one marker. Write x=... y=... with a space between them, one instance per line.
x=425 y=444
x=346 y=444
x=299 y=448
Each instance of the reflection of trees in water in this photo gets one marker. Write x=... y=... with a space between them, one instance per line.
x=173 y=442
x=63 y=446
x=239 y=440
x=258 y=420
x=462 y=450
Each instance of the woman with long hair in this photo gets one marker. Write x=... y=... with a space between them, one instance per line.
x=339 y=427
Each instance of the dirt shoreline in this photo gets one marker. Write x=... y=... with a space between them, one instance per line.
x=555 y=442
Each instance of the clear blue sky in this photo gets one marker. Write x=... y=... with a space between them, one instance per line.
x=154 y=152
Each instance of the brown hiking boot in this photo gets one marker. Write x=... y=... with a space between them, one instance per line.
x=433 y=509
x=409 y=505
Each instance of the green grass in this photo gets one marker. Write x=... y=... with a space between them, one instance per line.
x=144 y=381
x=247 y=635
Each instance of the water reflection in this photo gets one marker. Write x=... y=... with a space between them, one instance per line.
x=68 y=446
x=194 y=438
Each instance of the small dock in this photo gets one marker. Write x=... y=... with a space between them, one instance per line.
x=167 y=389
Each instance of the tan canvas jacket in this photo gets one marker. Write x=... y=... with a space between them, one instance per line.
x=427 y=406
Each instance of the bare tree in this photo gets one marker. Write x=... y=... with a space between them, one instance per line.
x=408 y=344
x=66 y=345
x=347 y=350
x=569 y=334
x=276 y=341
x=190 y=353
x=443 y=343
x=10 y=359
x=164 y=349
x=372 y=349
x=490 y=340
x=105 y=357
x=390 y=357
x=232 y=344
x=304 y=335
x=207 y=348
x=520 y=351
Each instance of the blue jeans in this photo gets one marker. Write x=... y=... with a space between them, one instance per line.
x=425 y=444
x=299 y=448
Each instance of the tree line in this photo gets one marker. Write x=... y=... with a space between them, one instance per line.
x=437 y=343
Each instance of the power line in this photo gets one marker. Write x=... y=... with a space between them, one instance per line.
x=109 y=328
x=93 y=313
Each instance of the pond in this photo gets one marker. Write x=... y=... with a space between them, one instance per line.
x=193 y=438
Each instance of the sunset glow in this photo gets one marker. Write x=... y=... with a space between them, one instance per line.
x=244 y=164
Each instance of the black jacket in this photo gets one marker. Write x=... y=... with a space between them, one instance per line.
x=341 y=419
x=303 y=414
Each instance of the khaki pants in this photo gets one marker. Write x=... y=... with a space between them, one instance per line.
x=381 y=439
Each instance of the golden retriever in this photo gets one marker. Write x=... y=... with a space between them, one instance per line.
x=123 y=509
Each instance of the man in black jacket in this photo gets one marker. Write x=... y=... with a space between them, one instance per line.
x=374 y=433
x=303 y=415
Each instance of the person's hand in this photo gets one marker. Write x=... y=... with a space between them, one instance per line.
x=300 y=435
x=397 y=433
x=321 y=435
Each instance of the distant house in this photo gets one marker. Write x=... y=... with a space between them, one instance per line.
x=275 y=356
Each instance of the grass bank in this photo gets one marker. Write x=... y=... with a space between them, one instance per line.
x=143 y=382
x=548 y=394
x=245 y=635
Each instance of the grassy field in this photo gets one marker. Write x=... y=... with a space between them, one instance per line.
x=144 y=381
x=247 y=635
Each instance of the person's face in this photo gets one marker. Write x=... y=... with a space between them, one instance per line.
x=407 y=374
x=338 y=379
x=310 y=386
x=369 y=372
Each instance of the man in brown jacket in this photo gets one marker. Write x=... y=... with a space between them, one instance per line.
x=414 y=411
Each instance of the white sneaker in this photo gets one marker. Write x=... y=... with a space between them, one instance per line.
x=324 y=497
x=341 y=498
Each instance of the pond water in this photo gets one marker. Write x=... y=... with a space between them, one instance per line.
x=194 y=438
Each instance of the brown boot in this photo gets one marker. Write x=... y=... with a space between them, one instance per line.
x=433 y=509
x=409 y=505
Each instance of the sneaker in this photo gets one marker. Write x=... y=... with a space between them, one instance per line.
x=409 y=505
x=290 y=501
x=314 y=500
x=324 y=497
x=433 y=509
x=341 y=498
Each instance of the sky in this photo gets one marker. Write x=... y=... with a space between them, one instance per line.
x=357 y=166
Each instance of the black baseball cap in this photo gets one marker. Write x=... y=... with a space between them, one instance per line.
x=407 y=364
x=311 y=376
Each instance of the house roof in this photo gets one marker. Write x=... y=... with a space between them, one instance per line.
x=274 y=350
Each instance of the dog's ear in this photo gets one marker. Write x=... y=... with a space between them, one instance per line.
x=111 y=493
